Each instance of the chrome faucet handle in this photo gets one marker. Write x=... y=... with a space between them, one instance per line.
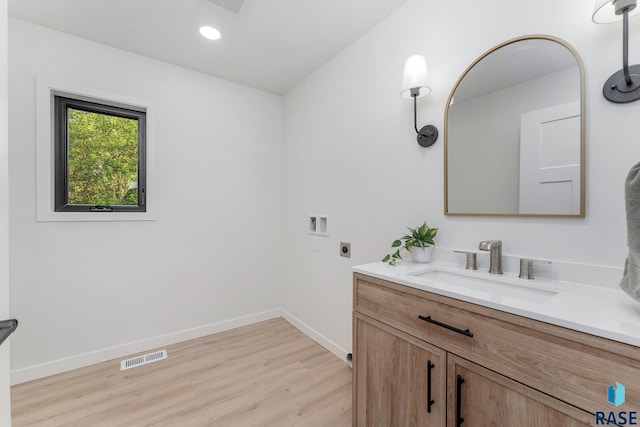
x=526 y=267
x=472 y=263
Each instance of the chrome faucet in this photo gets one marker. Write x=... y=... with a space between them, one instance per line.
x=495 y=250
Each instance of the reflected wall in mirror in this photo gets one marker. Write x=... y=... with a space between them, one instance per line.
x=514 y=132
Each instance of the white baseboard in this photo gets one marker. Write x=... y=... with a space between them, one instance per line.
x=79 y=361
x=325 y=342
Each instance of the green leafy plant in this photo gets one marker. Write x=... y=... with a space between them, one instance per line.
x=421 y=237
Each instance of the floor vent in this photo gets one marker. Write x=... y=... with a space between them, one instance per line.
x=134 y=362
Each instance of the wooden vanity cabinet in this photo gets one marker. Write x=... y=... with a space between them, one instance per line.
x=495 y=368
x=401 y=383
x=480 y=397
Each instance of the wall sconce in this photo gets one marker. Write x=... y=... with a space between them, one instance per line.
x=623 y=85
x=414 y=85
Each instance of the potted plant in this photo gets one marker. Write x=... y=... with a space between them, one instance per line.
x=419 y=243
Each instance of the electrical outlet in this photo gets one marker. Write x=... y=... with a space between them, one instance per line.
x=345 y=249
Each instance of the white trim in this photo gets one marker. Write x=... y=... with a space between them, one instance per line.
x=325 y=342
x=81 y=360
x=44 y=150
x=5 y=393
x=35 y=372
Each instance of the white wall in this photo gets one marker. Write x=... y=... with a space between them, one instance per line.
x=81 y=290
x=5 y=408
x=350 y=149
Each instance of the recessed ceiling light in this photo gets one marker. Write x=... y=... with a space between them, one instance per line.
x=210 y=33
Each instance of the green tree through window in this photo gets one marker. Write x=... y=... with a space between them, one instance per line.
x=103 y=159
x=100 y=157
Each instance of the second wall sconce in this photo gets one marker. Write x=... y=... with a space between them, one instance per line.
x=624 y=85
x=414 y=85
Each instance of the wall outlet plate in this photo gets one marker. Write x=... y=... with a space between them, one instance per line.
x=345 y=249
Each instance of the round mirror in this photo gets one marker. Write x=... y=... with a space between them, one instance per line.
x=514 y=132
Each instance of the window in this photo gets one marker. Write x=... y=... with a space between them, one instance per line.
x=100 y=157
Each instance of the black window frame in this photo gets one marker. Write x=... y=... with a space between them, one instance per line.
x=61 y=149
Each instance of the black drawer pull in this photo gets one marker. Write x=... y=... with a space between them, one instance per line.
x=459 y=419
x=444 y=325
x=430 y=401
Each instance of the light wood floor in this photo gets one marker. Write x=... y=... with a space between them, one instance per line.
x=267 y=374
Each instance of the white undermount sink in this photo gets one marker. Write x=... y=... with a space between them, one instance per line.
x=501 y=289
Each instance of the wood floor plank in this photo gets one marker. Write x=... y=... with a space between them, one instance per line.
x=266 y=374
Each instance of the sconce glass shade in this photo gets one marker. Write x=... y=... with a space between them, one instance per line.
x=604 y=11
x=415 y=76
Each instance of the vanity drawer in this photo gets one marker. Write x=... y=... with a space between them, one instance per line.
x=573 y=366
x=400 y=306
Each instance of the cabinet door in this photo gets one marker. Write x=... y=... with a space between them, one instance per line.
x=478 y=397
x=398 y=380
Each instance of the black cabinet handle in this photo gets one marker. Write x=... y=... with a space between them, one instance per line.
x=459 y=419
x=444 y=325
x=430 y=401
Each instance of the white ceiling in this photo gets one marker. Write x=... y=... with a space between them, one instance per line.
x=270 y=45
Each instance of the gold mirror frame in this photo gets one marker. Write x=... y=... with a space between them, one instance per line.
x=578 y=59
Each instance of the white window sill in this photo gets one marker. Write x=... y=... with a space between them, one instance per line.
x=95 y=216
x=45 y=89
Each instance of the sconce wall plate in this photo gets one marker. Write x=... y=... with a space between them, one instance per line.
x=427 y=136
x=624 y=85
x=616 y=89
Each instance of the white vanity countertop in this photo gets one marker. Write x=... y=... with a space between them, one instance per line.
x=601 y=311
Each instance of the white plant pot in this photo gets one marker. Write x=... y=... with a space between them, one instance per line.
x=421 y=255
